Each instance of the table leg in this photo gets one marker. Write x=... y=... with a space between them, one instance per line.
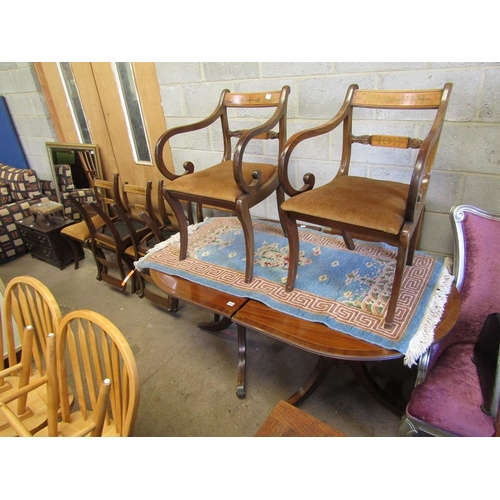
x=242 y=347
x=313 y=382
x=216 y=325
x=365 y=378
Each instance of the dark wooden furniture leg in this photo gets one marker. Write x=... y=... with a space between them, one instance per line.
x=242 y=348
x=365 y=378
x=218 y=324
x=314 y=380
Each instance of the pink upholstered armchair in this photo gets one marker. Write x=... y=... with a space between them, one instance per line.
x=447 y=398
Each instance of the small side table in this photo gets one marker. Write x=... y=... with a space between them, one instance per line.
x=45 y=242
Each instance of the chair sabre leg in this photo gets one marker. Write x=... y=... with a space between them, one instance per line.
x=293 y=251
x=398 y=279
x=314 y=380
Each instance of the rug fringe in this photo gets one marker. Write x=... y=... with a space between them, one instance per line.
x=424 y=337
x=175 y=238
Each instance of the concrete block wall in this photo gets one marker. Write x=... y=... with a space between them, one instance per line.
x=467 y=167
x=19 y=85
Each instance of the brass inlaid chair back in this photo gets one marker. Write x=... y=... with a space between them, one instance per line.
x=91 y=349
x=236 y=183
x=365 y=207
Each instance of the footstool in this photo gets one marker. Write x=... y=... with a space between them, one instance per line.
x=46 y=208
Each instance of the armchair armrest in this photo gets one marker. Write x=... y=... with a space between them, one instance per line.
x=264 y=130
x=182 y=129
x=424 y=163
x=297 y=138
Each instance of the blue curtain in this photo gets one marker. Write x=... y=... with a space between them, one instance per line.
x=11 y=150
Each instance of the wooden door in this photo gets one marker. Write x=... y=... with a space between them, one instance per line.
x=101 y=98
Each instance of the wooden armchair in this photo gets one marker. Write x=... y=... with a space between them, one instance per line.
x=236 y=183
x=363 y=207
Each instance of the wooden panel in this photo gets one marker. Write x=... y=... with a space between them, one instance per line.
x=262 y=99
x=149 y=94
x=420 y=99
x=130 y=170
x=55 y=96
x=390 y=141
x=91 y=102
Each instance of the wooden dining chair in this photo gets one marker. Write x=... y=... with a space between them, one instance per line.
x=78 y=235
x=368 y=208
x=133 y=199
x=28 y=306
x=89 y=165
x=448 y=397
x=236 y=183
x=108 y=247
x=105 y=193
x=90 y=350
x=141 y=244
x=92 y=427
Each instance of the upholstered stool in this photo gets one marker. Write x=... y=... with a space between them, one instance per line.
x=287 y=420
x=46 y=208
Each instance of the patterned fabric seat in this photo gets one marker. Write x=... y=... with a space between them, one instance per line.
x=67 y=187
x=19 y=190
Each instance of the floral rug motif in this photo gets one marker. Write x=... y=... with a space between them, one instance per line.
x=346 y=290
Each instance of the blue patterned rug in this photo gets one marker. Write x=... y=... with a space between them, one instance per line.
x=346 y=290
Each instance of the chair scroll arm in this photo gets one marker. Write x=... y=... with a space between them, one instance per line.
x=425 y=160
x=297 y=138
x=182 y=129
x=248 y=135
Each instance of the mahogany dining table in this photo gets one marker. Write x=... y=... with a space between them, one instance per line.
x=330 y=345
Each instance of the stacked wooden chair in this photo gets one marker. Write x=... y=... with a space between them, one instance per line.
x=30 y=312
x=92 y=426
x=160 y=228
x=94 y=358
x=76 y=376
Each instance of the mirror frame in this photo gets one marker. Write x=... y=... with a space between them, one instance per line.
x=53 y=147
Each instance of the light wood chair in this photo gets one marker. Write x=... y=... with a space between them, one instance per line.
x=93 y=428
x=28 y=305
x=91 y=349
x=236 y=183
x=367 y=208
